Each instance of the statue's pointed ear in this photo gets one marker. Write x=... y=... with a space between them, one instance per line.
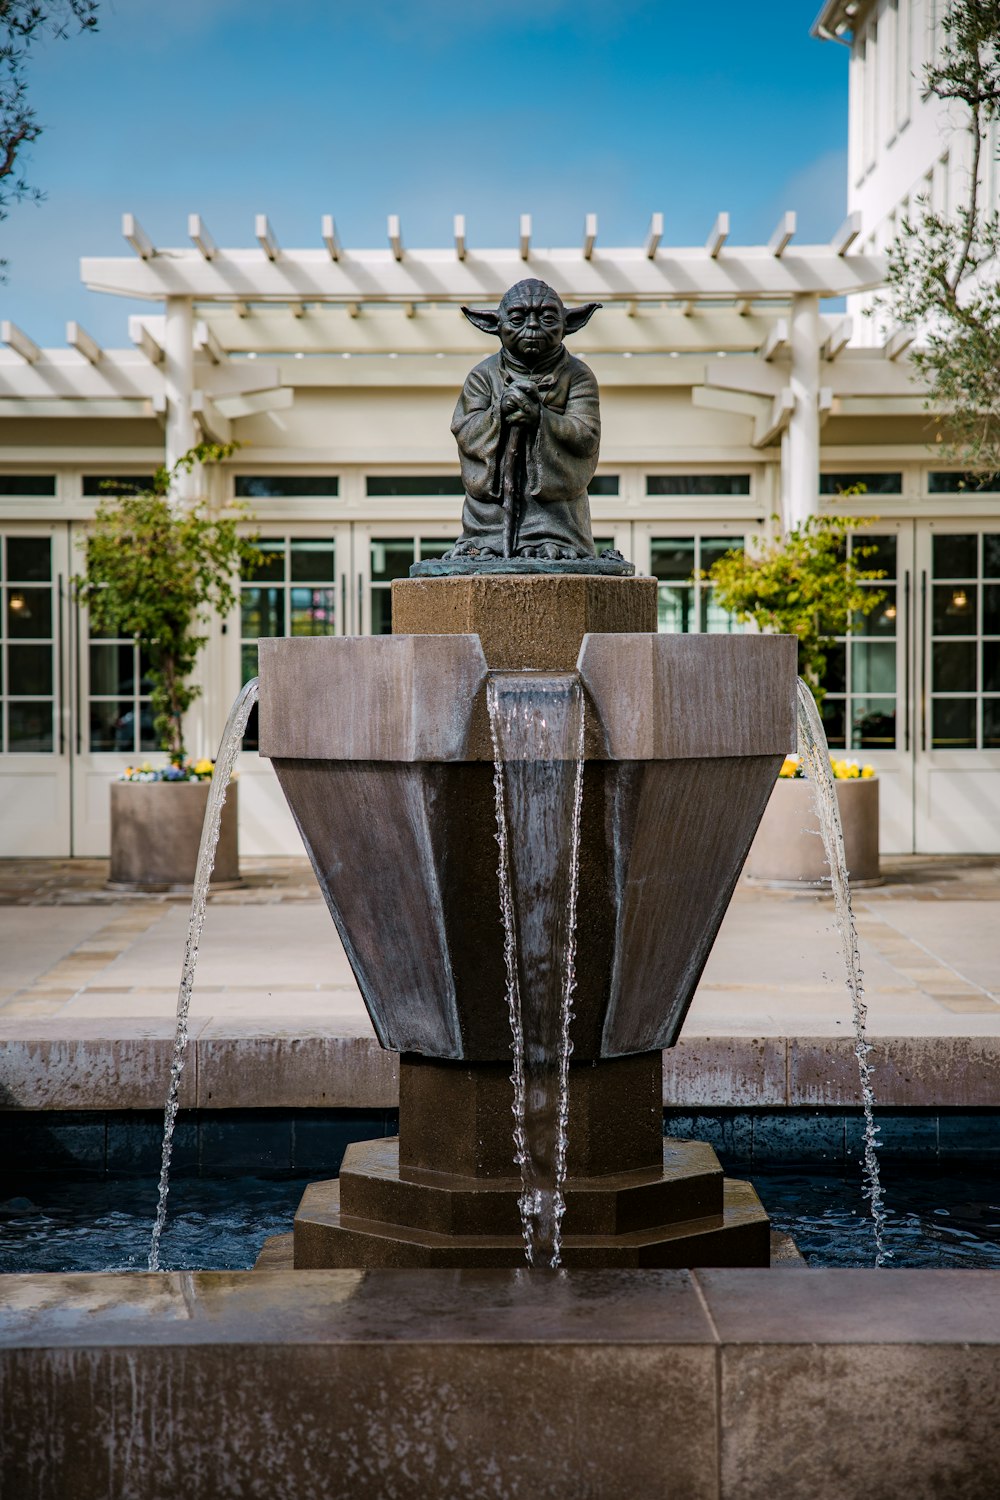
x=579 y=317
x=483 y=318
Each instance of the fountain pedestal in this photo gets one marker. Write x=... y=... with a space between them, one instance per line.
x=445 y=1193
x=383 y=749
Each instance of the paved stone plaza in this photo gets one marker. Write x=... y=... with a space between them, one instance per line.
x=89 y=983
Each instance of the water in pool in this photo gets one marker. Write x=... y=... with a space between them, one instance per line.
x=936 y=1218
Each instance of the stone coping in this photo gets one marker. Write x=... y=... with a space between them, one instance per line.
x=689 y=1384
x=59 y=1063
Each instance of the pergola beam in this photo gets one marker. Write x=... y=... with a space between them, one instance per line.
x=782 y=234
x=654 y=235
x=589 y=235
x=459 y=233
x=144 y=341
x=847 y=233
x=15 y=338
x=395 y=235
x=200 y=236
x=328 y=231
x=79 y=339
x=770 y=427
x=718 y=235
x=898 y=342
x=206 y=344
x=137 y=237
x=266 y=237
x=616 y=274
x=838 y=339
x=776 y=342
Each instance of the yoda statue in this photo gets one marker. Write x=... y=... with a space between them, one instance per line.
x=528 y=429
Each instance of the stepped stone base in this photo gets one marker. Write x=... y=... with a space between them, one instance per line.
x=378 y=1214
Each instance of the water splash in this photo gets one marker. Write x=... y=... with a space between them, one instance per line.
x=229 y=749
x=815 y=753
x=537 y=724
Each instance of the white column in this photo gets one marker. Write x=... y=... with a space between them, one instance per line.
x=178 y=372
x=800 y=454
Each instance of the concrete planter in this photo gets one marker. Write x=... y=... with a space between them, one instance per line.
x=788 y=849
x=156 y=831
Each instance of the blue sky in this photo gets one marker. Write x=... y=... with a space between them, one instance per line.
x=423 y=108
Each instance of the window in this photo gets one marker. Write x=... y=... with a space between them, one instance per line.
x=292 y=593
x=603 y=484
x=965 y=641
x=381 y=486
x=120 y=711
x=390 y=558
x=27 y=645
x=698 y=484
x=875 y=484
x=286 y=486
x=27 y=484
x=945 y=482
x=685 y=601
x=100 y=485
x=859 y=709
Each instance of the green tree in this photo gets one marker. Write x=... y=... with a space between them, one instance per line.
x=943 y=269
x=154 y=569
x=22 y=23
x=805 y=584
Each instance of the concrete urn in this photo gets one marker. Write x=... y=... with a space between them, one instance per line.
x=382 y=748
x=156 y=831
x=788 y=848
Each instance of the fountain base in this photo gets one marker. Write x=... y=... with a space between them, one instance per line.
x=379 y=1216
x=446 y=1191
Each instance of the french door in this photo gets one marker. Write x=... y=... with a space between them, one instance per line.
x=35 y=699
x=956 y=804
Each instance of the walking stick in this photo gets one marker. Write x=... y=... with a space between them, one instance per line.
x=509 y=491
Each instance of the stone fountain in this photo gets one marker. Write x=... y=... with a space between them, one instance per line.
x=383 y=749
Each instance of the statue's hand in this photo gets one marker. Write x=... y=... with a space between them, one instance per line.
x=520 y=405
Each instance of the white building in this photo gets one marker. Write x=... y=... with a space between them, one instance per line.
x=728 y=395
x=903 y=144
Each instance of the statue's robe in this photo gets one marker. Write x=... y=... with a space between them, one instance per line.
x=555 y=462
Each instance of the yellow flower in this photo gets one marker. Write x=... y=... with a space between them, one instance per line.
x=867 y=771
x=203 y=767
x=789 y=766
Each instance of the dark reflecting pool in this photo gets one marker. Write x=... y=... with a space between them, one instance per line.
x=936 y=1218
x=74 y=1225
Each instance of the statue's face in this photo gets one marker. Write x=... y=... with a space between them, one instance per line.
x=532 y=325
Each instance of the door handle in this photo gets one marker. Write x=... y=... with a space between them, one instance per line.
x=923 y=659
x=907 y=647
x=60 y=678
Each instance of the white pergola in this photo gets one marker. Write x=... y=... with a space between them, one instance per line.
x=232 y=319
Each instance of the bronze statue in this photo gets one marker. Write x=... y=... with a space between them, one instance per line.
x=528 y=428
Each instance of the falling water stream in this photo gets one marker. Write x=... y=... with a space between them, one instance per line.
x=229 y=749
x=537 y=723
x=815 y=754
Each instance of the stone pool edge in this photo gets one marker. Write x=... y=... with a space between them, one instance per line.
x=695 y=1384
x=94 y=1064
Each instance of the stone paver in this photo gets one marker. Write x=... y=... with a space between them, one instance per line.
x=81 y=968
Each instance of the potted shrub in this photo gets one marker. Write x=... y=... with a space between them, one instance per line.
x=808 y=585
x=155 y=567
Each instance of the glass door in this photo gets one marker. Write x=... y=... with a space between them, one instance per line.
x=957 y=710
x=384 y=551
x=301 y=588
x=35 y=728
x=676 y=554
x=867 y=710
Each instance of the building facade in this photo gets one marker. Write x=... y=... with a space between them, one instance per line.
x=732 y=402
